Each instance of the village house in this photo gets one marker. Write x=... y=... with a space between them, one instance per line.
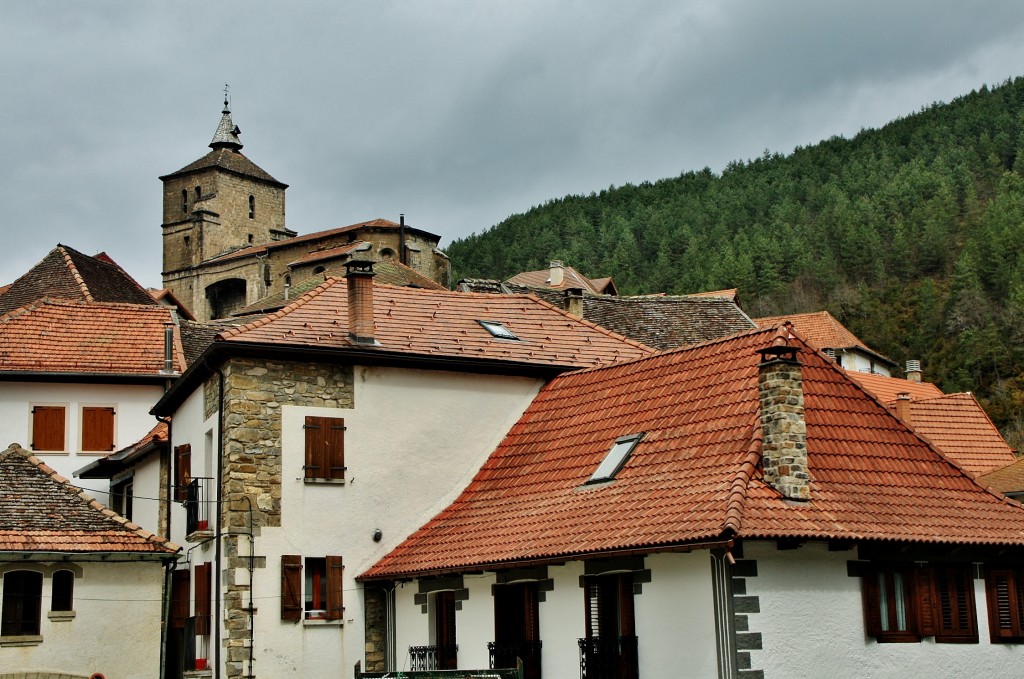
x=83 y=588
x=309 y=442
x=740 y=508
x=822 y=331
x=86 y=354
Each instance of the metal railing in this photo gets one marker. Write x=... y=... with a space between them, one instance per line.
x=609 y=658
x=437 y=657
x=197 y=505
x=506 y=654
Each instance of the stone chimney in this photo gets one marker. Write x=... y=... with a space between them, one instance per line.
x=914 y=370
x=574 y=301
x=783 y=429
x=557 y=273
x=903 y=407
x=359 y=277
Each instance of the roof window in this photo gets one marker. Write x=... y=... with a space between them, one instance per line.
x=498 y=330
x=616 y=458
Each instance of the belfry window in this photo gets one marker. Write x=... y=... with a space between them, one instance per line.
x=184 y=201
x=199 y=192
x=252 y=207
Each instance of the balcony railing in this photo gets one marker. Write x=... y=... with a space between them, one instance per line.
x=609 y=658
x=505 y=654
x=197 y=505
x=437 y=657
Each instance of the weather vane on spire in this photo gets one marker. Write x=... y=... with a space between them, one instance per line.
x=227 y=88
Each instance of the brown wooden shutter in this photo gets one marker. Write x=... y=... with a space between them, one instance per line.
x=48 y=428
x=335 y=588
x=1004 y=604
x=925 y=598
x=872 y=603
x=97 y=428
x=203 y=575
x=325 y=447
x=291 y=587
x=183 y=470
x=179 y=598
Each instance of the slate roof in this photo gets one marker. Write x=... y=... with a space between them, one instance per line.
x=888 y=388
x=73 y=337
x=695 y=477
x=230 y=159
x=442 y=323
x=40 y=511
x=959 y=426
x=66 y=273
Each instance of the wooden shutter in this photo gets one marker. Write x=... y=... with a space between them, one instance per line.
x=872 y=610
x=1005 y=604
x=444 y=630
x=204 y=576
x=291 y=587
x=182 y=470
x=325 y=447
x=925 y=597
x=179 y=598
x=335 y=588
x=48 y=428
x=97 y=428
x=955 y=612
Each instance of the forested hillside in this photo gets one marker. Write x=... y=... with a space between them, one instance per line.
x=911 y=235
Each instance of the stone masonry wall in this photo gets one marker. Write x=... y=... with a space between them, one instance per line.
x=255 y=391
x=784 y=431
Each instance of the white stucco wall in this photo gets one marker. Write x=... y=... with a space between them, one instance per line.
x=811 y=622
x=131 y=421
x=861 y=362
x=674 y=619
x=115 y=630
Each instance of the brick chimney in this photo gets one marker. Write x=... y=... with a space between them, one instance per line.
x=903 y=407
x=359 y=278
x=914 y=370
x=574 y=301
x=783 y=429
x=556 y=273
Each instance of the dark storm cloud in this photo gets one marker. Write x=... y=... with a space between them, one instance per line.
x=456 y=113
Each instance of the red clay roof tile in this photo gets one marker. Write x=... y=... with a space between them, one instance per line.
x=694 y=476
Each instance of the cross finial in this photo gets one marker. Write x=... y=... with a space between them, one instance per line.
x=227 y=89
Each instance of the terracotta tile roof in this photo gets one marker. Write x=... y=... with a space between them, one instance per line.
x=167 y=298
x=66 y=273
x=820 y=329
x=4 y=288
x=227 y=159
x=571 y=278
x=62 y=336
x=105 y=467
x=1008 y=479
x=329 y=253
x=731 y=294
x=40 y=511
x=695 y=475
x=317 y=235
x=960 y=428
x=888 y=388
x=442 y=323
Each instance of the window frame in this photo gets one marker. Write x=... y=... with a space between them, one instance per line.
x=62 y=591
x=87 y=424
x=16 y=608
x=498 y=330
x=295 y=594
x=182 y=471
x=324 y=448
x=616 y=457
x=36 y=413
x=886 y=573
x=951 y=587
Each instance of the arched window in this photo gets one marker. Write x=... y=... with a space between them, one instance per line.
x=23 y=594
x=63 y=591
x=288 y=279
x=318 y=270
x=387 y=253
x=250 y=239
x=184 y=201
x=252 y=207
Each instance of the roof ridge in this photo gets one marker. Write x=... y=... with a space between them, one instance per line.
x=300 y=302
x=75 y=273
x=71 y=489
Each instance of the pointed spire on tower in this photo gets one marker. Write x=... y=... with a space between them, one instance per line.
x=227 y=132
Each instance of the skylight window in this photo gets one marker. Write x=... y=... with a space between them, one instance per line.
x=498 y=330
x=616 y=458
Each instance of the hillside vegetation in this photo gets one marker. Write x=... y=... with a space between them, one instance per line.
x=912 y=235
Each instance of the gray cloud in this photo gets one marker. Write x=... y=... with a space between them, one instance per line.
x=454 y=112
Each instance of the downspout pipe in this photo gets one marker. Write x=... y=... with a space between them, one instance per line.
x=220 y=519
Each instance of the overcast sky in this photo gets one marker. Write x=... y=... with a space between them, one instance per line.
x=457 y=113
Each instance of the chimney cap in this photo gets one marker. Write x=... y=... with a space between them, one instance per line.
x=357 y=266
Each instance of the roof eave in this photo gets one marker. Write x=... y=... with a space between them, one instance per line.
x=88 y=377
x=71 y=555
